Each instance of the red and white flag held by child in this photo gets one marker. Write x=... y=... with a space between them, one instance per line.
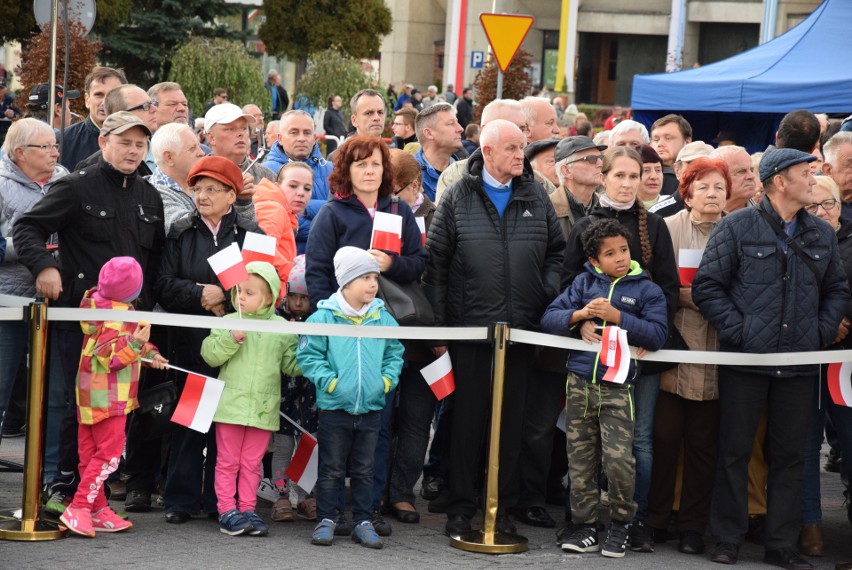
x=421 y=225
x=198 y=402
x=615 y=354
x=387 y=232
x=229 y=266
x=688 y=261
x=304 y=466
x=258 y=247
x=439 y=375
x=840 y=383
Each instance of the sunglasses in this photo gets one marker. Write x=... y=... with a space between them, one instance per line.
x=591 y=159
x=146 y=106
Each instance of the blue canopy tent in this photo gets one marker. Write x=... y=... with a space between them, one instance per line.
x=805 y=68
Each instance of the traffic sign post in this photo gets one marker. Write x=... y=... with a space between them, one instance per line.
x=505 y=33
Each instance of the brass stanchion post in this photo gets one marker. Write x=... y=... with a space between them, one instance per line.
x=29 y=528
x=488 y=540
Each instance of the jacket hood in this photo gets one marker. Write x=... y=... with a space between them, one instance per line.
x=268 y=191
x=265 y=271
x=10 y=170
x=332 y=305
x=93 y=301
x=635 y=271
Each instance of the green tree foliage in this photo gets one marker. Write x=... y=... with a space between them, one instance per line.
x=330 y=72
x=516 y=81
x=204 y=64
x=146 y=42
x=17 y=21
x=296 y=28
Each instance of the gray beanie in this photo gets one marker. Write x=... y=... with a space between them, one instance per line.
x=351 y=263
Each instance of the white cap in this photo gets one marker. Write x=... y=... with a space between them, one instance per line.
x=223 y=114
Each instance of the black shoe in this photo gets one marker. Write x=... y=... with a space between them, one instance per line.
x=615 y=545
x=381 y=526
x=177 y=517
x=756 y=533
x=344 y=527
x=407 y=517
x=564 y=533
x=661 y=535
x=641 y=537
x=431 y=487
x=725 y=553
x=504 y=525
x=440 y=503
x=832 y=463
x=457 y=524
x=534 y=516
x=10 y=432
x=138 y=501
x=691 y=543
x=787 y=558
x=583 y=539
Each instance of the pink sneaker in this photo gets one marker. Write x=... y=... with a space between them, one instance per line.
x=78 y=521
x=105 y=520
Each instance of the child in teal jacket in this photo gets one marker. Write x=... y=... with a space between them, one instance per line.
x=352 y=375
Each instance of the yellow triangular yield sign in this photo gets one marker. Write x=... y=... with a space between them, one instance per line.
x=506 y=33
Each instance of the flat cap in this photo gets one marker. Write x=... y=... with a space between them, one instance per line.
x=778 y=159
x=536 y=147
x=572 y=145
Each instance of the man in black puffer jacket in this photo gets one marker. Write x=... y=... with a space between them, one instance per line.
x=495 y=255
x=764 y=296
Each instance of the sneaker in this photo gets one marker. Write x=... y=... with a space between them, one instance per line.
x=106 y=520
x=307 y=508
x=138 y=501
x=282 y=510
x=365 y=535
x=616 y=540
x=641 y=537
x=259 y=528
x=583 y=539
x=234 y=523
x=324 y=533
x=380 y=525
x=267 y=490
x=564 y=533
x=57 y=502
x=10 y=432
x=343 y=526
x=78 y=521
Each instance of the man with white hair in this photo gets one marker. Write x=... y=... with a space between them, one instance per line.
x=176 y=150
x=629 y=133
x=272 y=129
x=741 y=169
x=440 y=137
x=496 y=248
x=256 y=133
x=541 y=118
x=838 y=165
x=431 y=97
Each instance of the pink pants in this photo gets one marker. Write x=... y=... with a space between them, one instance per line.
x=100 y=447
x=238 y=465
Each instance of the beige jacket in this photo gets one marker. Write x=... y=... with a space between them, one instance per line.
x=691 y=381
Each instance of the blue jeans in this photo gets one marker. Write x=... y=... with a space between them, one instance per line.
x=381 y=461
x=345 y=437
x=645 y=394
x=13 y=346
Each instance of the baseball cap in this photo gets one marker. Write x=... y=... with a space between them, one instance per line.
x=778 y=159
x=572 y=145
x=122 y=121
x=224 y=113
x=693 y=150
x=41 y=93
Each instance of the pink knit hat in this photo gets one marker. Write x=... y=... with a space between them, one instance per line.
x=120 y=279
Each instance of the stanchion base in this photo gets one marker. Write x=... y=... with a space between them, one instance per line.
x=489 y=543
x=12 y=529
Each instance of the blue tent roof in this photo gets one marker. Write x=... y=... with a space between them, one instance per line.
x=806 y=68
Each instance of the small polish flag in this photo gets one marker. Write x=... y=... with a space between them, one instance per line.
x=387 y=232
x=439 y=375
x=229 y=266
x=303 y=467
x=258 y=247
x=688 y=262
x=198 y=402
x=615 y=354
x=421 y=223
x=839 y=383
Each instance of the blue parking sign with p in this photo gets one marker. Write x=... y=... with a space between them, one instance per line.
x=477 y=59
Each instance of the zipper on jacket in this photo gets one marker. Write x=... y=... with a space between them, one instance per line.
x=785 y=279
x=358 y=393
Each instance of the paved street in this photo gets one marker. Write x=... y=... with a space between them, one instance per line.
x=153 y=543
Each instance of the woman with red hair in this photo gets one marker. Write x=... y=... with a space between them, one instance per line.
x=687 y=414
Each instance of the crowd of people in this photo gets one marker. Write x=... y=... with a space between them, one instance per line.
x=634 y=235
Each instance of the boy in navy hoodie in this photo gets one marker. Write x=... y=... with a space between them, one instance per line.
x=613 y=291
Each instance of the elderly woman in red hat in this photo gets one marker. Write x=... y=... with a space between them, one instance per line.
x=187 y=284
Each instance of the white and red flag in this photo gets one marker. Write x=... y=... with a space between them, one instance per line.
x=688 y=261
x=840 y=383
x=198 y=402
x=421 y=225
x=258 y=247
x=229 y=266
x=303 y=467
x=439 y=375
x=615 y=354
x=387 y=232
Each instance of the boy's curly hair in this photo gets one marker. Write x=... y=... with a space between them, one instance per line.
x=598 y=231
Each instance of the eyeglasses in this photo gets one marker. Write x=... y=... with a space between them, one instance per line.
x=414 y=183
x=146 y=106
x=209 y=190
x=44 y=147
x=591 y=159
x=826 y=205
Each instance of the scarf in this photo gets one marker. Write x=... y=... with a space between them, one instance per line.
x=608 y=202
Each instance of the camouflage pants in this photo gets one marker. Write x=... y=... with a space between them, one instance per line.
x=600 y=429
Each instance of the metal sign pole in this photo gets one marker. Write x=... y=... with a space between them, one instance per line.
x=499 y=94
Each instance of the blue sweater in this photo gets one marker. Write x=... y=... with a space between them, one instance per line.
x=643 y=315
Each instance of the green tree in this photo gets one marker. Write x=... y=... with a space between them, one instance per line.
x=204 y=64
x=330 y=72
x=296 y=29
x=17 y=20
x=516 y=81
x=146 y=42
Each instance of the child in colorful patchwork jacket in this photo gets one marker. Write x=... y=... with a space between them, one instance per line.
x=107 y=385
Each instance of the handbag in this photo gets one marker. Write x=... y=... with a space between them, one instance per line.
x=156 y=405
x=406 y=302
